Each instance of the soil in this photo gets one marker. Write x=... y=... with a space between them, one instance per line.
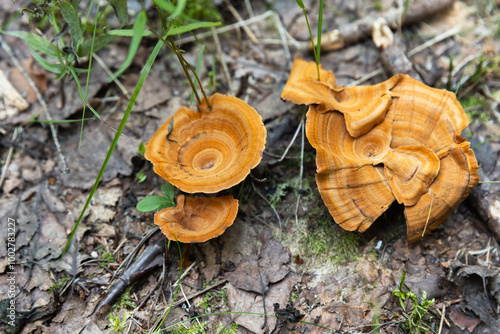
x=284 y=256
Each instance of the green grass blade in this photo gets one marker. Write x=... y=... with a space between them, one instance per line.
x=128 y=32
x=139 y=26
x=54 y=68
x=173 y=31
x=301 y=4
x=99 y=42
x=198 y=65
x=178 y=9
x=119 y=131
x=165 y=5
x=318 y=38
x=36 y=42
x=71 y=17
x=190 y=27
x=120 y=8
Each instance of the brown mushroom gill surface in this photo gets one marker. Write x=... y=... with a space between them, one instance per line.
x=363 y=106
x=208 y=150
x=197 y=219
x=415 y=155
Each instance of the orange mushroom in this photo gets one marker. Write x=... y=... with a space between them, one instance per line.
x=208 y=150
x=415 y=155
x=197 y=219
x=363 y=106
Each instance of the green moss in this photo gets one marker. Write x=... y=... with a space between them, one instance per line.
x=195 y=329
x=213 y=300
x=228 y=330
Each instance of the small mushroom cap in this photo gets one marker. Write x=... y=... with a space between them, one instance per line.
x=363 y=106
x=197 y=219
x=208 y=150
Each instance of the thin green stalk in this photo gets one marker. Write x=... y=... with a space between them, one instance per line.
x=318 y=40
x=185 y=66
x=301 y=5
x=119 y=131
x=88 y=73
x=198 y=65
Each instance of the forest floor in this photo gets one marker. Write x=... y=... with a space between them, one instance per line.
x=284 y=246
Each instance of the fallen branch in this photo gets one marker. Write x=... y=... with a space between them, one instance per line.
x=356 y=31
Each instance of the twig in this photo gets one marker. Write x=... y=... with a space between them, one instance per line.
x=442 y=318
x=65 y=168
x=434 y=40
x=108 y=71
x=301 y=124
x=284 y=35
x=238 y=17
x=222 y=59
x=9 y=157
x=265 y=199
x=196 y=294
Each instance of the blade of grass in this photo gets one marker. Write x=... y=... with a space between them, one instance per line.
x=318 y=38
x=88 y=74
x=178 y=9
x=198 y=65
x=301 y=5
x=119 y=131
x=139 y=26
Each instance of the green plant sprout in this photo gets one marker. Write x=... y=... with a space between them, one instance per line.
x=152 y=203
x=117 y=322
x=414 y=321
x=316 y=49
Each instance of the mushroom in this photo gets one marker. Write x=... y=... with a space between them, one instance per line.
x=211 y=149
x=197 y=219
x=363 y=106
x=415 y=155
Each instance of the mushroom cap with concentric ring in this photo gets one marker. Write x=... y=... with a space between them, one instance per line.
x=208 y=150
x=399 y=140
x=197 y=219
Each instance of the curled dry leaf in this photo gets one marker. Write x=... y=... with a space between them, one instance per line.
x=211 y=149
x=415 y=155
x=197 y=219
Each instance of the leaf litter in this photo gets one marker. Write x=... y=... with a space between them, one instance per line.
x=457 y=266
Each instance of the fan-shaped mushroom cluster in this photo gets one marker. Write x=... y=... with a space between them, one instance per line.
x=205 y=151
x=398 y=140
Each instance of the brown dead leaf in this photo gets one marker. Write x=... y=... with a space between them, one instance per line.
x=11 y=102
x=463 y=321
x=19 y=81
x=86 y=161
x=242 y=301
x=257 y=272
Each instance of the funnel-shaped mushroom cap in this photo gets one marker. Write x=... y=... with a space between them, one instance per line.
x=197 y=219
x=208 y=150
x=363 y=106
